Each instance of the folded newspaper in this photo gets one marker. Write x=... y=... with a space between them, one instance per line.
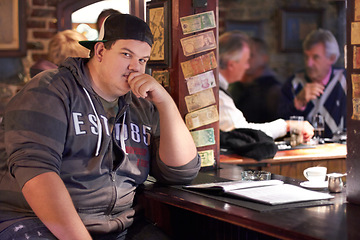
x=272 y=192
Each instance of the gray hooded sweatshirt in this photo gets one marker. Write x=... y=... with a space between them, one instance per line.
x=57 y=123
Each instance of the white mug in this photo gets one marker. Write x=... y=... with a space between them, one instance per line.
x=315 y=174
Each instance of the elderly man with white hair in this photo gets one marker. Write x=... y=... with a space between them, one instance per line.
x=320 y=88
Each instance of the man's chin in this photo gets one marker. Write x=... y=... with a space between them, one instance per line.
x=311 y=74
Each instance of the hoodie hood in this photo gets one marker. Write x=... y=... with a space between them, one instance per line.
x=77 y=68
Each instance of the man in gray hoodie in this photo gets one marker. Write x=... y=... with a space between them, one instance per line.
x=77 y=141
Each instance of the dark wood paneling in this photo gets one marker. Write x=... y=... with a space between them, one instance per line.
x=353 y=126
x=178 y=88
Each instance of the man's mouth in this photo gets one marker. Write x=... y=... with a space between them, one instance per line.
x=126 y=76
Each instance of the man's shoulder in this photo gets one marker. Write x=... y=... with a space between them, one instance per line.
x=338 y=70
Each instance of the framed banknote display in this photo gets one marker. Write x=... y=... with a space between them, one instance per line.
x=158 y=18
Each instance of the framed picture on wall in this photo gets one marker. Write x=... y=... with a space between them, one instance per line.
x=158 y=18
x=251 y=28
x=295 y=25
x=12 y=25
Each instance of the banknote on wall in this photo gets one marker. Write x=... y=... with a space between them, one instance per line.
x=200 y=82
x=198 y=43
x=202 y=117
x=355 y=33
x=356 y=59
x=207 y=158
x=199 y=65
x=200 y=100
x=204 y=137
x=198 y=22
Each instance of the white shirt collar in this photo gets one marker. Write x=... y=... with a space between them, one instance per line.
x=222 y=82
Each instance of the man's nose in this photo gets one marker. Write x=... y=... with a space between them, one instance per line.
x=309 y=62
x=134 y=65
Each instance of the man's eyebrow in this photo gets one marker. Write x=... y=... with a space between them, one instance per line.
x=126 y=49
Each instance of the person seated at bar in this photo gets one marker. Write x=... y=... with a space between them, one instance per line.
x=62 y=45
x=77 y=142
x=234 y=54
x=320 y=88
x=257 y=94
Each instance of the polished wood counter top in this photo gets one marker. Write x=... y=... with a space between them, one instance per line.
x=319 y=152
x=292 y=162
x=330 y=222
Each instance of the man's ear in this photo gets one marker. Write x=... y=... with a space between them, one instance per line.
x=99 y=51
x=230 y=64
x=333 y=59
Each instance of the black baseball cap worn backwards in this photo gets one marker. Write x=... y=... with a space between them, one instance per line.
x=122 y=26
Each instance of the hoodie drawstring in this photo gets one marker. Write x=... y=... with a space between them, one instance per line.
x=98 y=124
x=122 y=135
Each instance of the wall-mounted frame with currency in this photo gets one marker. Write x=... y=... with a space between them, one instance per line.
x=158 y=16
x=198 y=43
x=198 y=22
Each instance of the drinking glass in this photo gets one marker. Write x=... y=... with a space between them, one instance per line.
x=296 y=128
x=319 y=127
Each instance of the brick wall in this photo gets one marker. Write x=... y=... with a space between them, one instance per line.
x=41 y=25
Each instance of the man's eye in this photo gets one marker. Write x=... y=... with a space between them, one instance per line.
x=142 y=60
x=126 y=54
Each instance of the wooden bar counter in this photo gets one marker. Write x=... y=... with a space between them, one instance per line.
x=187 y=215
x=292 y=162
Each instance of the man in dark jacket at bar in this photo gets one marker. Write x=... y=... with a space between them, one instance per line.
x=320 y=88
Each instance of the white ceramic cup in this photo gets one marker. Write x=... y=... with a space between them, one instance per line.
x=315 y=174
